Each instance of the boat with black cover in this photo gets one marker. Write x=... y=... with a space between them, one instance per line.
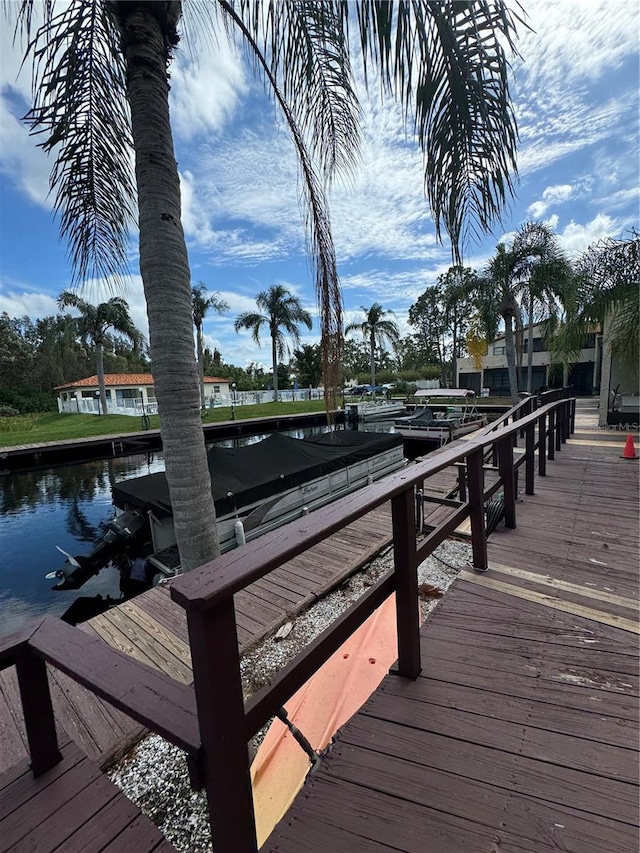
x=260 y=486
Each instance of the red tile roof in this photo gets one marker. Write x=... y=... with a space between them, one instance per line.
x=111 y=379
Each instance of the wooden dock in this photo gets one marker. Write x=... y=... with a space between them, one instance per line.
x=153 y=629
x=521 y=733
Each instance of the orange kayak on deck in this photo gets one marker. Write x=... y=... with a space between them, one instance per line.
x=324 y=704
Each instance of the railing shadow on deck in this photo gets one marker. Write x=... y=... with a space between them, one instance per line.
x=210 y=720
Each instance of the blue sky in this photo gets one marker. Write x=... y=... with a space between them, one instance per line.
x=576 y=94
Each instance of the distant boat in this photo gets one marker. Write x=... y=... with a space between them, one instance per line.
x=437 y=427
x=373 y=410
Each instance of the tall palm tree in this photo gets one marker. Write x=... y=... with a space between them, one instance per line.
x=100 y=71
x=281 y=312
x=377 y=330
x=531 y=269
x=93 y=325
x=201 y=302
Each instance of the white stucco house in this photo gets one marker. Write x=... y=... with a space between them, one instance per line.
x=127 y=394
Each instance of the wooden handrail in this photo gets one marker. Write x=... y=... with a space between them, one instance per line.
x=146 y=695
x=211 y=583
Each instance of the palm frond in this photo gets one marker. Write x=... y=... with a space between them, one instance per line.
x=251 y=321
x=80 y=108
x=447 y=64
x=305 y=46
x=321 y=247
x=606 y=291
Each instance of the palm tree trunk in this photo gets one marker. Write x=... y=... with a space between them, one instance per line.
x=100 y=371
x=454 y=357
x=510 y=349
x=200 y=365
x=530 y=347
x=167 y=281
x=372 y=357
x=274 y=361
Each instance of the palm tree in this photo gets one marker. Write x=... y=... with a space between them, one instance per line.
x=532 y=269
x=201 y=302
x=281 y=310
x=377 y=330
x=93 y=325
x=606 y=291
x=101 y=70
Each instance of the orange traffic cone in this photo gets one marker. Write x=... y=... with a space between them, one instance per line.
x=629 y=449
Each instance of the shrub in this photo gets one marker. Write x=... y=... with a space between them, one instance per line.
x=17 y=423
x=28 y=400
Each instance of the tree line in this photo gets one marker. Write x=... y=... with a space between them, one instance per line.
x=529 y=281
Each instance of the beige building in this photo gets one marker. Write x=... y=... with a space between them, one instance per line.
x=127 y=394
x=493 y=374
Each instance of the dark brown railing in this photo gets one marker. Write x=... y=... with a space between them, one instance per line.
x=211 y=721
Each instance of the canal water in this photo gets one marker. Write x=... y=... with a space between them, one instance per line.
x=66 y=507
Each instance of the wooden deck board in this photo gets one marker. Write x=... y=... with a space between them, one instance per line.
x=71 y=807
x=521 y=733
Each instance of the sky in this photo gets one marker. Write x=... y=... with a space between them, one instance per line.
x=576 y=96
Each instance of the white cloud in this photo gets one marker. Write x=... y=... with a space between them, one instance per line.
x=27 y=304
x=574 y=238
x=207 y=83
x=561 y=105
x=574 y=41
x=551 y=195
x=26 y=166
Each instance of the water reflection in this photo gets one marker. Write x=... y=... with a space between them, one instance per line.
x=67 y=507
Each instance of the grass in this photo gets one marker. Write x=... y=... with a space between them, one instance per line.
x=39 y=428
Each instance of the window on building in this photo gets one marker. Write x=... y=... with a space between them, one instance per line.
x=499 y=349
x=590 y=341
x=538 y=345
x=127 y=393
x=216 y=389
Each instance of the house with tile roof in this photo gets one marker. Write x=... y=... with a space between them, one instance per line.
x=127 y=394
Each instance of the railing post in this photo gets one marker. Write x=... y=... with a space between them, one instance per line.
x=39 y=720
x=404 y=556
x=530 y=459
x=462 y=486
x=214 y=647
x=475 y=480
x=559 y=427
x=572 y=422
x=566 y=417
x=552 y=433
x=505 y=466
x=542 y=445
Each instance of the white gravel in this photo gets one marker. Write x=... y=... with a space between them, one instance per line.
x=154 y=774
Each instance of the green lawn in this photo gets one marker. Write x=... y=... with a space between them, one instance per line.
x=35 y=429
